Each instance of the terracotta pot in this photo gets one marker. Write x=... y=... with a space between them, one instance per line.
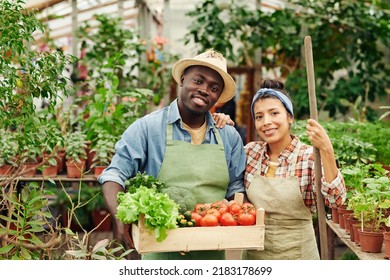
x=29 y=169
x=98 y=170
x=371 y=241
x=347 y=226
x=60 y=161
x=90 y=155
x=335 y=215
x=386 y=240
x=352 y=221
x=5 y=169
x=75 y=169
x=97 y=216
x=342 y=210
x=50 y=171
x=356 y=233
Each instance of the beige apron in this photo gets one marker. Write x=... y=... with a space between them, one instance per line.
x=202 y=170
x=289 y=232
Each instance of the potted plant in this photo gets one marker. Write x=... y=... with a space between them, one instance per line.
x=31 y=155
x=103 y=150
x=8 y=152
x=53 y=149
x=370 y=205
x=76 y=155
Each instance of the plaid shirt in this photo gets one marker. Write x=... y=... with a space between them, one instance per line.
x=334 y=192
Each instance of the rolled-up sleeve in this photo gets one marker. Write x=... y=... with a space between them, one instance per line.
x=334 y=192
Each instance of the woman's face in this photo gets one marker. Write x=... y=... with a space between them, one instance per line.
x=272 y=121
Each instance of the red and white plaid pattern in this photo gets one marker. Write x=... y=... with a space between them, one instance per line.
x=334 y=192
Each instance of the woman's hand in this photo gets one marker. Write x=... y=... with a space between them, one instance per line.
x=222 y=119
x=318 y=136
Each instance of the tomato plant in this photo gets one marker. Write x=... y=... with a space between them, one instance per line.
x=209 y=220
x=227 y=219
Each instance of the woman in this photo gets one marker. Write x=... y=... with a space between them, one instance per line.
x=280 y=177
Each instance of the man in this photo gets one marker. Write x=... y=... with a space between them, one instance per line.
x=181 y=146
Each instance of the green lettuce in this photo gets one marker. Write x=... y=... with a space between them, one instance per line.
x=159 y=209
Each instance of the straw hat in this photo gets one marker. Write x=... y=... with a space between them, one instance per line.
x=215 y=61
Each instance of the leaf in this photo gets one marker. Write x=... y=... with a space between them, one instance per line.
x=79 y=254
x=6 y=249
x=101 y=244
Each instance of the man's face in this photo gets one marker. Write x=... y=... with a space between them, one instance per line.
x=201 y=88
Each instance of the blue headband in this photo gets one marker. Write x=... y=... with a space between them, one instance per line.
x=282 y=97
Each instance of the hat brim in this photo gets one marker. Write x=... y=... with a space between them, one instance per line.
x=229 y=88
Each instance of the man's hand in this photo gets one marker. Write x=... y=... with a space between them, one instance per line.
x=122 y=234
x=222 y=119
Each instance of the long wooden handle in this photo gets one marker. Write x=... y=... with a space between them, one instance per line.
x=317 y=157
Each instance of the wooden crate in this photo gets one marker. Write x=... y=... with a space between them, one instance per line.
x=201 y=238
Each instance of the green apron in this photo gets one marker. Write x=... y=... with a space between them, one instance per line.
x=202 y=170
x=289 y=232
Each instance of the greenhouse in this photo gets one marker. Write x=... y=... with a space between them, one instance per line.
x=194 y=130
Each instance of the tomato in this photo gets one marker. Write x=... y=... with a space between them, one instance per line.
x=221 y=206
x=209 y=220
x=227 y=219
x=235 y=208
x=201 y=208
x=248 y=207
x=246 y=219
x=196 y=217
x=215 y=212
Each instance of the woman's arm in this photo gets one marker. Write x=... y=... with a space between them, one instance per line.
x=320 y=140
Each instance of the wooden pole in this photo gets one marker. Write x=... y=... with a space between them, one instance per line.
x=317 y=157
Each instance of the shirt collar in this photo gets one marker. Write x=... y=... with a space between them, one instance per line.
x=287 y=153
x=174 y=115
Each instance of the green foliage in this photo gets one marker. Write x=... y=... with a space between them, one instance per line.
x=353 y=141
x=75 y=146
x=26 y=219
x=145 y=180
x=103 y=250
x=369 y=193
x=27 y=74
x=8 y=148
x=116 y=99
x=104 y=149
x=351 y=36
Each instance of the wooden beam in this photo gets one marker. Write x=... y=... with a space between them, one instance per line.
x=41 y=4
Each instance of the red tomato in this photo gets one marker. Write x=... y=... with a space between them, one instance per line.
x=209 y=220
x=235 y=208
x=221 y=206
x=246 y=219
x=195 y=216
x=201 y=208
x=227 y=219
x=248 y=207
x=215 y=212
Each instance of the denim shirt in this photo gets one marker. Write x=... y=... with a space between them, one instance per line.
x=142 y=147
